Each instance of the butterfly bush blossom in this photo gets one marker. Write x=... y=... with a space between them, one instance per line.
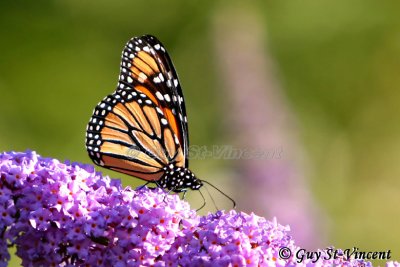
x=66 y=214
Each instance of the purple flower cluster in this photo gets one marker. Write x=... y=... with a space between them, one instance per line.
x=66 y=214
x=58 y=213
x=232 y=239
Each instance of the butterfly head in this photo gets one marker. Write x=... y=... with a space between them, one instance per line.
x=179 y=179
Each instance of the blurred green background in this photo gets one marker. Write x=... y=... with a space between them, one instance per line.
x=338 y=62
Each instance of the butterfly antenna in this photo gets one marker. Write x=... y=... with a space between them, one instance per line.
x=216 y=188
x=204 y=201
x=212 y=199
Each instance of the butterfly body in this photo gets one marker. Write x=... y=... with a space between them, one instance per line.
x=179 y=179
x=141 y=128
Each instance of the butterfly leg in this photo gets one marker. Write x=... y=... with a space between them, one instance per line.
x=184 y=195
x=157 y=184
x=145 y=185
x=167 y=193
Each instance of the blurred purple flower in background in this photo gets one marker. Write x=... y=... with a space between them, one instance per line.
x=66 y=214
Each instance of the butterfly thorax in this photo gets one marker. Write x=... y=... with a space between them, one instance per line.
x=179 y=179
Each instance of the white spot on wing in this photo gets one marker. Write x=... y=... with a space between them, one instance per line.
x=142 y=77
x=159 y=110
x=159 y=96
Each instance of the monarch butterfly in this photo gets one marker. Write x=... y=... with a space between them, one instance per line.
x=141 y=129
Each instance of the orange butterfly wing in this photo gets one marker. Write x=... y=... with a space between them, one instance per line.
x=130 y=134
x=147 y=67
x=141 y=128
